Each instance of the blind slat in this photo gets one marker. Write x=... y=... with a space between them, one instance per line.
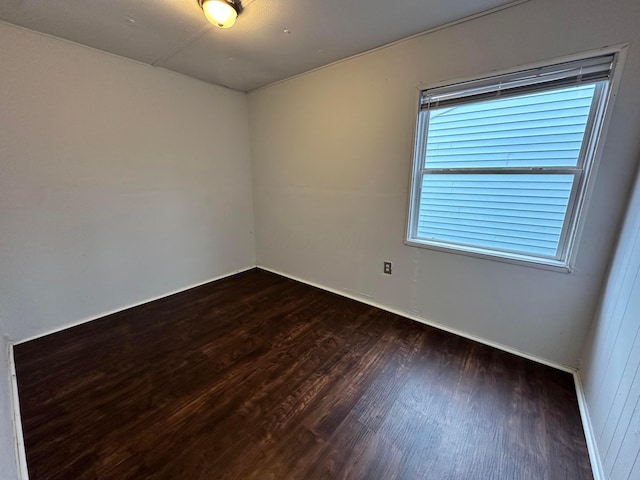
x=577 y=72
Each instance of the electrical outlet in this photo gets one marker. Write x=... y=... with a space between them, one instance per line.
x=387 y=268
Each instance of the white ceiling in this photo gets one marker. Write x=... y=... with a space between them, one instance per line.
x=175 y=35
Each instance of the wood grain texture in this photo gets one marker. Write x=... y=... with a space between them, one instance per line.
x=260 y=377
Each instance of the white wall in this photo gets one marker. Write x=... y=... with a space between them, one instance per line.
x=331 y=153
x=611 y=361
x=118 y=182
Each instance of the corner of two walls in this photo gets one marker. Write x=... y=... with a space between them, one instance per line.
x=120 y=183
x=331 y=157
x=610 y=367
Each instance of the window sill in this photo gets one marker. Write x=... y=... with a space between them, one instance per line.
x=512 y=258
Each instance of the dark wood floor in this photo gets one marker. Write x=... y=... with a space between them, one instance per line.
x=261 y=377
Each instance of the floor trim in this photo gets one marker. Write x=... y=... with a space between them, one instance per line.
x=137 y=304
x=20 y=452
x=430 y=323
x=594 y=457
x=592 y=446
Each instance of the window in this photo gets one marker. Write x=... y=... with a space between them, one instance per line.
x=501 y=163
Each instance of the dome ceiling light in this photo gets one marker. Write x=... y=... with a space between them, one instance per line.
x=222 y=13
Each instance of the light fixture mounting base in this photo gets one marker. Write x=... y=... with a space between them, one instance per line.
x=236 y=4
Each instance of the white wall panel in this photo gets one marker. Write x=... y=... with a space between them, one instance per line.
x=611 y=362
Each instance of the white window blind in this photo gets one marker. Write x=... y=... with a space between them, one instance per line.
x=552 y=76
x=500 y=162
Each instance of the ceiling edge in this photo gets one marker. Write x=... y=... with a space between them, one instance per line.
x=111 y=54
x=397 y=42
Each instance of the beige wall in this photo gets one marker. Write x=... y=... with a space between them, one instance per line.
x=331 y=153
x=118 y=182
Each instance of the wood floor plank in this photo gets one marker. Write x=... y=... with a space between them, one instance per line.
x=257 y=376
x=343 y=454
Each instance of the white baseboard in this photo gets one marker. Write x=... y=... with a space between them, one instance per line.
x=137 y=304
x=592 y=445
x=594 y=456
x=593 y=452
x=430 y=323
x=21 y=456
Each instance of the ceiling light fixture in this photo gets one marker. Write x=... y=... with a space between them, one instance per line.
x=222 y=13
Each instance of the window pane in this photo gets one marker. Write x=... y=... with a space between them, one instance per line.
x=521 y=213
x=535 y=130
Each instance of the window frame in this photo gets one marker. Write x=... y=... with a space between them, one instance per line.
x=583 y=172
